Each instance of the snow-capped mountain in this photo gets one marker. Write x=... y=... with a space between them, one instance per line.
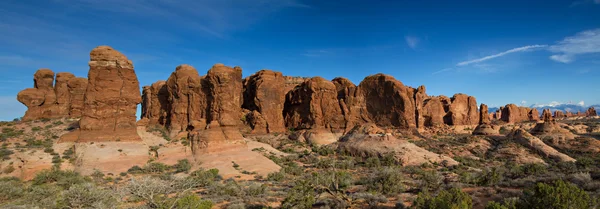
x=554 y=106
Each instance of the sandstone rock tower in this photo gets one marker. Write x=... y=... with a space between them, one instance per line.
x=111 y=98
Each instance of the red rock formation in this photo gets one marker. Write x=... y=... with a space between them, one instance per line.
x=511 y=113
x=77 y=88
x=591 y=112
x=569 y=114
x=155 y=103
x=484 y=127
x=352 y=102
x=559 y=114
x=111 y=98
x=547 y=115
x=186 y=98
x=48 y=101
x=432 y=113
x=534 y=115
x=225 y=86
x=264 y=92
x=463 y=110
x=388 y=101
x=483 y=114
x=292 y=82
x=313 y=105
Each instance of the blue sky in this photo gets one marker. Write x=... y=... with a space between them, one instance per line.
x=522 y=52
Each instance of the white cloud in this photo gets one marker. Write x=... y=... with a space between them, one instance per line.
x=518 y=49
x=412 y=41
x=585 y=42
x=442 y=70
x=564 y=58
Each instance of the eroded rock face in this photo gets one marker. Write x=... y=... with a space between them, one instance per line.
x=264 y=92
x=483 y=114
x=484 y=127
x=388 y=101
x=155 y=103
x=187 y=99
x=591 y=112
x=77 y=88
x=216 y=138
x=534 y=115
x=512 y=113
x=463 y=110
x=352 y=102
x=313 y=105
x=522 y=137
x=225 y=87
x=111 y=98
x=47 y=100
x=559 y=114
x=369 y=140
x=432 y=113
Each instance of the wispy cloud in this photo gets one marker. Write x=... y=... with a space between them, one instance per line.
x=412 y=41
x=518 y=49
x=442 y=70
x=585 y=42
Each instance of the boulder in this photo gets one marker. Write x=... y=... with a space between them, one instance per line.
x=264 y=92
x=314 y=105
x=111 y=98
x=41 y=99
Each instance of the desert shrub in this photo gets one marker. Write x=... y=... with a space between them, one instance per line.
x=447 y=199
x=373 y=162
x=182 y=166
x=43 y=196
x=323 y=150
x=155 y=167
x=372 y=199
x=8 y=169
x=191 y=200
x=228 y=188
x=490 y=177
x=301 y=196
x=335 y=181
x=386 y=181
x=162 y=130
x=345 y=164
x=48 y=150
x=325 y=163
x=559 y=195
x=292 y=168
x=5 y=154
x=57 y=123
x=532 y=169
x=158 y=193
x=276 y=176
x=581 y=179
x=37 y=128
x=88 y=196
x=10 y=190
x=64 y=179
x=205 y=177
x=508 y=203
x=430 y=180
x=135 y=170
x=255 y=189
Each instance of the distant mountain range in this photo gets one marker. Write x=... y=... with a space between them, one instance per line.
x=554 y=106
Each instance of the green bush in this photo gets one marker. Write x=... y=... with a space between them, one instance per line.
x=11 y=190
x=88 y=196
x=5 y=154
x=301 y=196
x=135 y=170
x=193 y=201
x=430 y=180
x=490 y=177
x=386 y=181
x=276 y=176
x=182 y=166
x=64 y=179
x=155 y=167
x=446 y=199
x=559 y=195
x=205 y=177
